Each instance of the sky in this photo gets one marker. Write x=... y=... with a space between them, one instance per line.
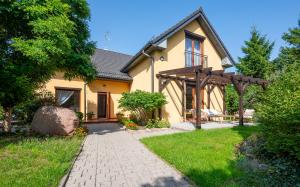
x=126 y=25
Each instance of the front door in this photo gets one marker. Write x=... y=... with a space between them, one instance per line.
x=102 y=105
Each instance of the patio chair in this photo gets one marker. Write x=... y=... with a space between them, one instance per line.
x=211 y=113
x=204 y=116
x=248 y=114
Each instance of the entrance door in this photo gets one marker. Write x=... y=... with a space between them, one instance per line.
x=102 y=105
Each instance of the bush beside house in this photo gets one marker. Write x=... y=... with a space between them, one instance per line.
x=142 y=106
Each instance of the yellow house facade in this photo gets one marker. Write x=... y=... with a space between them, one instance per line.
x=190 y=42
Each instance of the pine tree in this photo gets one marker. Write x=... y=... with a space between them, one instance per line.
x=256 y=61
x=291 y=53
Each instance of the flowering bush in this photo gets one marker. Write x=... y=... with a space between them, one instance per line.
x=131 y=126
x=81 y=131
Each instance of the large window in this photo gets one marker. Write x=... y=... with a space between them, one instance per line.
x=68 y=98
x=193 y=49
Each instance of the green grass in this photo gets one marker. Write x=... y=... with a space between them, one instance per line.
x=206 y=157
x=33 y=161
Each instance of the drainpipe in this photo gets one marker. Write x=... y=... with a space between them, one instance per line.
x=152 y=69
x=85 y=83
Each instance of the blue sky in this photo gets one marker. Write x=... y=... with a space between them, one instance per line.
x=131 y=23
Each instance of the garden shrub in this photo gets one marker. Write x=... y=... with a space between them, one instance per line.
x=142 y=104
x=156 y=123
x=26 y=110
x=80 y=118
x=263 y=167
x=279 y=114
x=1 y=113
x=120 y=116
x=132 y=126
x=81 y=131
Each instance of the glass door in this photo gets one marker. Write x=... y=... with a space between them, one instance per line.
x=192 y=52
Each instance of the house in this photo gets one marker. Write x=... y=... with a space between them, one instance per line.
x=191 y=42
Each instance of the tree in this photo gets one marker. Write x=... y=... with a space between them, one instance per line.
x=291 y=53
x=256 y=61
x=279 y=114
x=38 y=38
x=232 y=103
x=142 y=103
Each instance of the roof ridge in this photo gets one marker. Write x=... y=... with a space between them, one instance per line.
x=121 y=53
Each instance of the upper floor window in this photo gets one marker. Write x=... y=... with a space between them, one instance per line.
x=193 y=49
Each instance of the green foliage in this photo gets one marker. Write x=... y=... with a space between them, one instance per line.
x=120 y=116
x=81 y=131
x=25 y=111
x=38 y=38
x=205 y=156
x=131 y=125
x=1 y=113
x=80 y=118
x=256 y=61
x=141 y=103
x=45 y=159
x=265 y=169
x=156 y=123
x=232 y=100
x=279 y=113
x=291 y=53
x=252 y=96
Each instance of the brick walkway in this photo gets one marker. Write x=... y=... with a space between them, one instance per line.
x=113 y=157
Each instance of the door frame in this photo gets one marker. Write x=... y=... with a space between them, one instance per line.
x=107 y=94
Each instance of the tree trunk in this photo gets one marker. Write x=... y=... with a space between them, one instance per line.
x=7 y=119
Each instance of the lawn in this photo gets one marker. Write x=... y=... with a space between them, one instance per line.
x=33 y=161
x=205 y=156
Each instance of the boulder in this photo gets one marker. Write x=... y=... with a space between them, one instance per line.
x=51 y=120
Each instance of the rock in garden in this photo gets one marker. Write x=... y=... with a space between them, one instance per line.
x=51 y=120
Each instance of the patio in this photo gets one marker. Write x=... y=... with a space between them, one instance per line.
x=200 y=77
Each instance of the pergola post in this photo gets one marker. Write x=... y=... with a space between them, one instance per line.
x=160 y=90
x=224 y=98
x=208 y=96
x=184 y=100
x=198 y=102
x=240 y=88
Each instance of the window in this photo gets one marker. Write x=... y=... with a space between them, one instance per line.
x=191 y=97
x=193 y=49
x=68 y=98
x=192 y=52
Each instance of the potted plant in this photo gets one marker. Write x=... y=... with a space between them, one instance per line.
x=90 y=115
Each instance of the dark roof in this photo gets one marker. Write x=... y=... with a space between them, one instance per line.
x=203 y=21
x=109 y=64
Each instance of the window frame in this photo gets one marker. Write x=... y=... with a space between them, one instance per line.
x=70 y=89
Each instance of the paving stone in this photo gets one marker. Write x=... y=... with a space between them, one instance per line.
x=114 y=157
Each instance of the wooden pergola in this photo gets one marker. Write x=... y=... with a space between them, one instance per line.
x=200 y=77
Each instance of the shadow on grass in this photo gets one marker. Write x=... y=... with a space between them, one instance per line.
x=246 y=131
x=167 y=181
x=216 y=177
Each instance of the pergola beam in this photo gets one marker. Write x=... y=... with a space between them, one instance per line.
x=199 y=77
